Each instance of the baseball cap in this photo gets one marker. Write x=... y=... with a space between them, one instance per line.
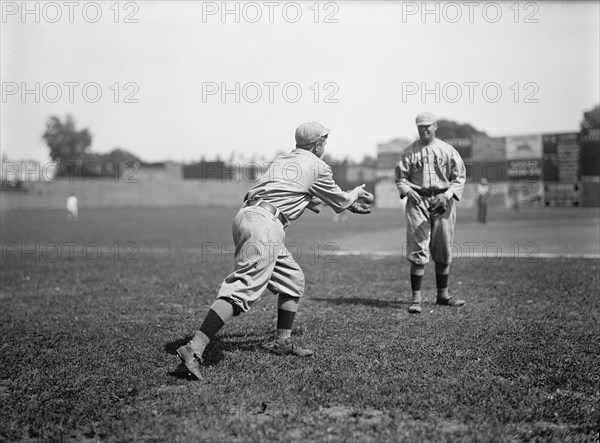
x=425 y=118
x=310 y=132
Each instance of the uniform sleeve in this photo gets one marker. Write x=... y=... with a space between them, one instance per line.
x=458 y=175
x=402 y=174
x=315 y=205
x=328 y=192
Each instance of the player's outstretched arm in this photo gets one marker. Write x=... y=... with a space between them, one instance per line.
x=362 y=194
x=363 y=200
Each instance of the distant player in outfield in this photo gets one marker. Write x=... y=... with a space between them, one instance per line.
x=294 y=181
x=431 y=175
x=483 y=194
x=72 y=208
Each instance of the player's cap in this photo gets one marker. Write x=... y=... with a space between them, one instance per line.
x=425 y=119
x=310 y=132
x=484 y=181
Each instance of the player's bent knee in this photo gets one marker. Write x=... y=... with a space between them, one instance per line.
x=299 y=283
x=443 y=263
x=237 y=305
x=418 y=258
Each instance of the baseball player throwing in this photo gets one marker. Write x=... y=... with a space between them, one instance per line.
x=431 y=175
x=293 y=182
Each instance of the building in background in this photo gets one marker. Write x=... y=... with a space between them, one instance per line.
x=164 y=172
x=388 y=156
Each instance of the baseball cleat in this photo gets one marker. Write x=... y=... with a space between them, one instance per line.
x=284 y=346
x=189 y=359
x=449 y=302
x=415 y=308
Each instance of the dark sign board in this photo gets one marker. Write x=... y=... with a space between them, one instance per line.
x=590 y=153
x=464 y=146
x=524 y=170
x=489 y=148
x=562 y=194
x=561 y=158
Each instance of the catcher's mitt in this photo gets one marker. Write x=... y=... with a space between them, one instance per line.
x=359 y=208
x=439 y=205
x=368 y=198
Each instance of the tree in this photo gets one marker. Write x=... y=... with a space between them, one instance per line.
x=119 y=155
x=64 y=141
x=449 y=129
x=591 y=119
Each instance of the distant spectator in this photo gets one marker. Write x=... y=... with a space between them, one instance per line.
x=483 y=194
x=72 y=208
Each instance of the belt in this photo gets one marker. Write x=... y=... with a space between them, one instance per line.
x=269 y=207
x=429 y=192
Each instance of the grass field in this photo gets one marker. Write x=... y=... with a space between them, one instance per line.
x=92 y=313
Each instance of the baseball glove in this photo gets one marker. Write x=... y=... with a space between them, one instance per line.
x=368 y=198
x=439 y=205
x=359 y=208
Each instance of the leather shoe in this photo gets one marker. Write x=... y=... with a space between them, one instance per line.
x=284 y=346
x=415 y=308
x=449 y=302
x=190 y=360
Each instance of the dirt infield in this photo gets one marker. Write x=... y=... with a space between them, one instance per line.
x=533 y=233
x=518 y=238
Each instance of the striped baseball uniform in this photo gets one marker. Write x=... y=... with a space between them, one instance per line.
x=293 y=182
x=430 y=170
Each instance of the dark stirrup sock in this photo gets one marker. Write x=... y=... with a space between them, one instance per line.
x=287 y=307
x=220 y=312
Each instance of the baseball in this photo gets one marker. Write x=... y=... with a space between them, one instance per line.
x=369 y=198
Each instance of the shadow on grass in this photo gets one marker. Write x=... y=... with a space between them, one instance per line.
x=215 y=351
x=374 y=302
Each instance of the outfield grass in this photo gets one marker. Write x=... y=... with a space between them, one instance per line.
x=88 y=349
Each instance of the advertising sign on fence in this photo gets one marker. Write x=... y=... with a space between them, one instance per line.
x=524 y=147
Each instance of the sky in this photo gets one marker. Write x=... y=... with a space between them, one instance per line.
x=188 y=80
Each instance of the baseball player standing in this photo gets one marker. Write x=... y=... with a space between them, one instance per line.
x=293 y=182
x=431 y=175
x=483 y=194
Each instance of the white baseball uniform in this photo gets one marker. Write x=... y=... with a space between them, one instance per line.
x=72 y=208
x=293 y=182
x=430 y=170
